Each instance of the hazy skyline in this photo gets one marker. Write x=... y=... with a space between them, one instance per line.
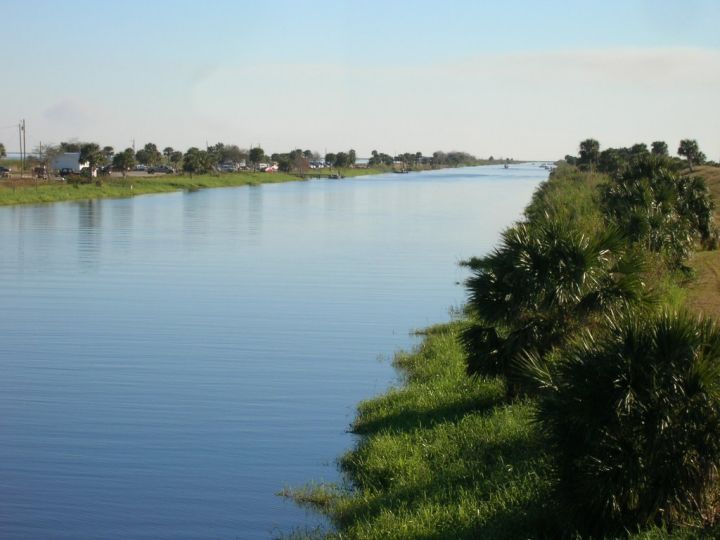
x=511 y=79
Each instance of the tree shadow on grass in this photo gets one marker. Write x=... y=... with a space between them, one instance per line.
x=526 y=510
x=409 y=418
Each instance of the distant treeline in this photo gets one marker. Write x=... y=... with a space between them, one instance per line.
x=437 y=160
x=197 y=161
x=615 y=160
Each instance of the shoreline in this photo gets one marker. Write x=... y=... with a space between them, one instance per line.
x=17 y=191
x=32 y=192
x=444 y=455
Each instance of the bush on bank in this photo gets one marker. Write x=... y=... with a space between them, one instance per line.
x=633 y=419
x=544 y=282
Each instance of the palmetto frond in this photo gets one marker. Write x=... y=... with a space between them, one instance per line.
x=662 y=211
x=634 y=419
x=544 y=280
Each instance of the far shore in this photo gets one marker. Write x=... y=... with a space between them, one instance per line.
x=31 y=191
x=28 y=190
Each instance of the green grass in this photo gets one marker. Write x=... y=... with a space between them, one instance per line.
x=28 y=191
x=445 y=456
x=571 y=196
x=703 y=293
x=441 y=457
x=347 y=173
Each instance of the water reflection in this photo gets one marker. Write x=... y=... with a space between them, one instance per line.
x=338 y=199
x=255 y=210
x=195 y=218
x=89 y=233
x=45 y=220
x=216 y=345
x=122 y=213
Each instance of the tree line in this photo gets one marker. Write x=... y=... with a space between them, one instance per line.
x=198 y=161
x=194 y=160
x=416 y=159
x=612 y=160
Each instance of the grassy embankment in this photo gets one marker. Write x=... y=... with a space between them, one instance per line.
x=703 y=295
x=441 y=457
x=446 y=456
x=27 y=190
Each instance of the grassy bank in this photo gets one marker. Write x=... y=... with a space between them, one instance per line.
x=703 y=293
x=441 y=457
x=27 y=191
x=445 y=455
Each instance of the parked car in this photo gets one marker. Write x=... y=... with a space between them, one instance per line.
x=227 y=167
x=4 y=172
x=161 y=169
x=140 y=167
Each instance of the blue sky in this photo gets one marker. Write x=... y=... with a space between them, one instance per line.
x=523 y=79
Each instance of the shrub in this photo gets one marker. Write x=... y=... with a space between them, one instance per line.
x=663 y=212
x=634 y=422
x=544 y=281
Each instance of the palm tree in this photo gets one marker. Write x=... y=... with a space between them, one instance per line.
x=696 y=205
x=690 y=149
x=124 y=161
x=589 y=154
x=659 y=148
x=544 y=282
x=91 y=153
x=633 y=419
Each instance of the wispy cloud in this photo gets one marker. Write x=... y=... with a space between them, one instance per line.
x=535 y=103
x=68 y=112
x=624 y=66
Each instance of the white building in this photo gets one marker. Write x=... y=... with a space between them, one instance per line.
x=69 y=161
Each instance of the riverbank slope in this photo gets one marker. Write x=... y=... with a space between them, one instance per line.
x=30 y=191
x=448 y=456
x=27 y=190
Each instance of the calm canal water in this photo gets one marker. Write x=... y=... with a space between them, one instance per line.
x=170 y=362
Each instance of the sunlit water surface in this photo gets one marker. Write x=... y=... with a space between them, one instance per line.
x=168 y=363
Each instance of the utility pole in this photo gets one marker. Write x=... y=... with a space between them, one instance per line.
x=24 y=145
x=21 y=129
